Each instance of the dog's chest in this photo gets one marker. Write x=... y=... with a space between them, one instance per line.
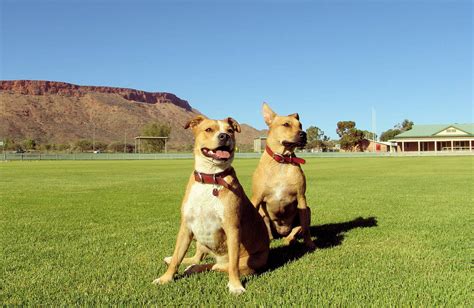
x=204 y=214
x=280 y=192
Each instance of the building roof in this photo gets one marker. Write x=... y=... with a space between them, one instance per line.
x=435 y=130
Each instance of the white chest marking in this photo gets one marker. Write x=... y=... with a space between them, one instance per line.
x=204 y=214
x=278 y=191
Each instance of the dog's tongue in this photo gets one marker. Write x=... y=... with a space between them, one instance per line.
x=222 y=154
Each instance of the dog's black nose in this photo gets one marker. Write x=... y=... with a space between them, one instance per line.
x=223 y=137
x=302 y=134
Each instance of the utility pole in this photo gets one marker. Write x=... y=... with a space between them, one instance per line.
x=93 y=137
x=374 y=123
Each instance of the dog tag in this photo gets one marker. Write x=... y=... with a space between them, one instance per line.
x=215 y=192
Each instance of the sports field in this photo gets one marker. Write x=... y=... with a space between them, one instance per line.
x=389 y=231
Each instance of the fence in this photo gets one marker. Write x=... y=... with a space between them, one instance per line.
x=132 y=156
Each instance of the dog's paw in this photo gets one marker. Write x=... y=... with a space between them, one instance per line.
x=235 y=289
x=162 y=280
x=167 y=260
x=190 y=270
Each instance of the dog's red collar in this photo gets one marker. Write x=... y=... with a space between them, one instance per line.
x=282 y=159
x=216 y=178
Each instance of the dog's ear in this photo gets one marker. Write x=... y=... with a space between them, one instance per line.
x=268 y=114
x=295 y=115
x=194 y=121
x=235 y=125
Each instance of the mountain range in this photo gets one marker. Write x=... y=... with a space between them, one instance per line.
x=63 y=113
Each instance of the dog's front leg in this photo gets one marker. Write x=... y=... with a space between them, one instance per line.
x=182 y=244
x=257 y=201
x=305 y=220
x=233 y=250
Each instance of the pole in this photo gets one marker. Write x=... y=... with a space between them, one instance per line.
x=93 y=138
x=374 y=123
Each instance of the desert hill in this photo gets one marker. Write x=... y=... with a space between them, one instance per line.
x=62 y=113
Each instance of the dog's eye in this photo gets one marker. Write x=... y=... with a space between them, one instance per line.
x=209 y=130
x=286 y=124
x=230 y=131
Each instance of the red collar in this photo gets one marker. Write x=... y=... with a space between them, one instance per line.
x=292 y=159
x=216 y=178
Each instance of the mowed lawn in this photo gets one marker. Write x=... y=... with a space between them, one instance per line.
x=389 y=231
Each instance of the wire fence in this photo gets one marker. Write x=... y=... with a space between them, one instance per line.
x=133 y=156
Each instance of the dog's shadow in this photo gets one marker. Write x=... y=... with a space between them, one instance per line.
x=327 y=236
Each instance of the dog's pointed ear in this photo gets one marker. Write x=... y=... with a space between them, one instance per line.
x=194 y=121
x=268 y=114
x=235 y=125
x=295 y=115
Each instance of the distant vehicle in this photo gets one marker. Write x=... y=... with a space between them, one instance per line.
x=97 y=152
x=19 y=151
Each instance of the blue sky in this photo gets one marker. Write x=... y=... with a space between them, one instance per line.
x=327 y=60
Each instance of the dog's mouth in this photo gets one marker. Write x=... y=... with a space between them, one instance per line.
x=294 y=144
x=221 y=153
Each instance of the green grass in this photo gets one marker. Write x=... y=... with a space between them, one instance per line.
x=96 y=232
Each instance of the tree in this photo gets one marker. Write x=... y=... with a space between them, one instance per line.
x=155 y=130
x=405 y=125
x=29 y=144
x=369 y=135
x=396 y=130
x=120 y=147
x=100 y=146
x=343 y=127
x=351 y=137
x=315 y=137
x=83 y=145
x=389 y=134
x=10 y=144
x=312 y=133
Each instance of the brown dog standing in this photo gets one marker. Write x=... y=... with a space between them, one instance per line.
x=279 y=184
x=216 y=212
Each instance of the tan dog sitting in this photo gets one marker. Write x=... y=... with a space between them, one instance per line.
x=216 y=212
x=279 y=184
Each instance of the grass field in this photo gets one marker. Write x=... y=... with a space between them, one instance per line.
x=389 y=231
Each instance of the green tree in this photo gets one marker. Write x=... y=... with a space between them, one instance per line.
x=10 y=144
x=389 y=134
x=315 y=137
x=369 y=135
x=120 y=147
x=83 y=145
x=351 y=137
x=29 y=144
x=343 y=127
x=155 y=130
x=62 y=147
x=396 y=130
x=405 y=125
x=100 y=146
